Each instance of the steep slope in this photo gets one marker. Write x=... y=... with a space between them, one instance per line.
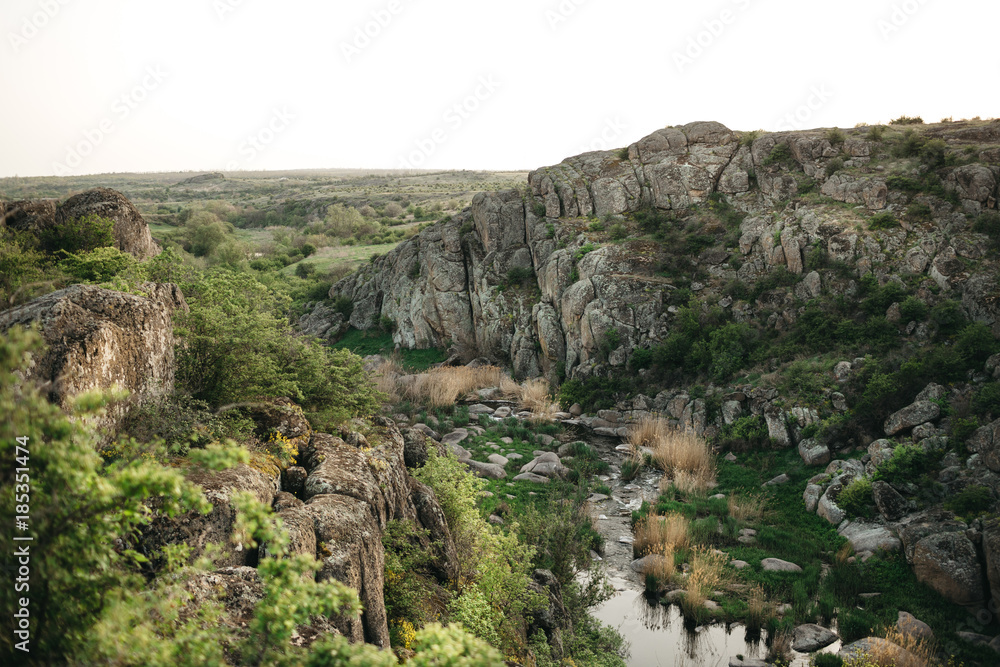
x=529 y=277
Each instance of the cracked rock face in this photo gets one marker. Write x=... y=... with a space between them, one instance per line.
x=448 y=286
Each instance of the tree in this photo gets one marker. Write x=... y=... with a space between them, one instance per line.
x=81 y=234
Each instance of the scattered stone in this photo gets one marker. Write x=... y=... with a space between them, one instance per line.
x=531 y=477
x=948 y=563
x=480 y=409
x=486 y=470
x=595 y=556
x=747 y=662
x=814 y=453
x=870 y=537
x=507 y=441
x=497 y=459
x=731 y=457
x=459 y=435
x=562 y=416
x=495 y=520
x=974 y=638
x=576 y=410
x=546 y=440
x=778 y=565
x=502 y=412
x=718 y=496
x=428 y=431
x=739 y=564
x=514 y=456
x=896 y=655
x=647 y=563
x=839 y=401
x=626 y=539
x=811 y=496
x=912 y=415
x=461 y=453
x=911 y=626
x=810 y=637
x=596 y=498
x=780 y=479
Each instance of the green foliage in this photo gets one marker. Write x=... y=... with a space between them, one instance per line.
x=596 y=226
x=907 y=463
x=747 y=138
x=618 y=231
x=236 y=346
x=827 y=660
x=20 y=264
x=82 y=234
x=836 y=136
x=538 y=208
x=876 y=133
x=439 y=646
x=913 y=309
x=856 y=499
x=833 y=166
x=988 y=223
x=971 y=502
x=949 y=317
x=919 y=211
x=519 y=276
x=907 y=120
x=986 y=401
x=584 y=250
x=883 y=220
x=343 y=305
x=593 y=393
x=747 y=432
x=975 y=344
x=780 y=154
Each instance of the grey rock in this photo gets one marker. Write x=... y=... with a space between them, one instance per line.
x=912 y=415
x=889 y=502
x=911 y=626
x=810 y=637
x=779 y=480
x=778 y=565
x=814 y=453
x=948 y=563
x=811 y=496
x=531 y=477
x=870 y=537
x=498 y=459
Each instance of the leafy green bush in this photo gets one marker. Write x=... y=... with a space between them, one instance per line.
x=907 y=120
x=82 y=234
x=918 y=211
x=876 y=132
x=949 y=317
x=986 y=401
x=596 y=226
x=519 y=276
x=833 y=166
x=907 y=463
x=618 y=232
x=584 y=250
x=913 y=309
x=827 y=660
x=343 y=305
x=780 y=154
x=836 y=136
x=884 y=220
x=856 y=499
x=970 y=502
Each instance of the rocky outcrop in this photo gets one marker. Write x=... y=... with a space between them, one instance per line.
x=99 y=338
x=949 y=564
x=587 y=305
x=131 y=233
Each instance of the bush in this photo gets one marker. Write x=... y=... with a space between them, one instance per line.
x=97 y=265
x=618 y=232
x=884 y=220
x=907 y=120
x=780 y=154
x=827 y=660
x=596 y=226
x=970 y=502
x=833 y=166
x=836 y=136
x=986 y=401
x=343 y=305
x=907 y=464
x=519 y=276
x=876 y=132
x=949 y=317
x=81 y=234
x=913 y=309
x=856 y=499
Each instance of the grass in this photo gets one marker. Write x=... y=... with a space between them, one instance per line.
x=445 y=385
x=707 y=573
x=682 y=455
x=326 y=259
x=656 y=533
x=365 y=343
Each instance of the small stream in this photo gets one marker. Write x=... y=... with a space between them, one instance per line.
x=656 y=633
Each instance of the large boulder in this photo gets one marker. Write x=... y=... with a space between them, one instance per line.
x=99 y=338
x=919 y=412
x=948 y=563
x=130 y=230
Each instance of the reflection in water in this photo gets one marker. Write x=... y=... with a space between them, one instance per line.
x=657 y=634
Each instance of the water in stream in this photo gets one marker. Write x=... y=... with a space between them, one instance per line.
x=656 y=633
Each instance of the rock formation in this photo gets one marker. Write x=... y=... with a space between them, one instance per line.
x=131 y=233
x=452 y=285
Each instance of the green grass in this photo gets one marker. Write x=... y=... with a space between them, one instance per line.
x=325 y=259
x=364 y=343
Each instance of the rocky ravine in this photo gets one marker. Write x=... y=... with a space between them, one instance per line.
x=445 y=287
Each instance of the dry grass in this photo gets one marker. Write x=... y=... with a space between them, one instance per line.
x=780 y=648
x=708 y=572
x=509 y=388
x=684 y=457
x=655 y=533
x=444 y=386
x=536 y=397
x=897 y=649
x=662 y=568
x=746 y=508
x=387 y=378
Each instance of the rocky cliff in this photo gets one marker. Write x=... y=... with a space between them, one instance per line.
x=527 y=277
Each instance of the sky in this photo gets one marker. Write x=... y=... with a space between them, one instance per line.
x=98 y=86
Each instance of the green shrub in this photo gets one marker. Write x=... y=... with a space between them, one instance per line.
x=308 y=249
x=971 y=502
x=519 y=276
x=986 y=401
x=907 y=464
x=913 y=309
x=876 y=132
x=538 y=208
x=949 y=317
x=596 y=226
x=975 y=344
x=884 y=220
x=747 y=138
x=856 y=499
x=827 y=660
x=304 y=270
x=343 y=305
x=618 y=232
x=82 y=234
x=836 y=136
x=918 y=211
x=414 y=272
x=584 y=250
x=780 y=154
x=833 y=166
x=907 y=120
x=98 y=265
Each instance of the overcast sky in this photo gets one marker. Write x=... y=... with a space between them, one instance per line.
x=94 y=86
